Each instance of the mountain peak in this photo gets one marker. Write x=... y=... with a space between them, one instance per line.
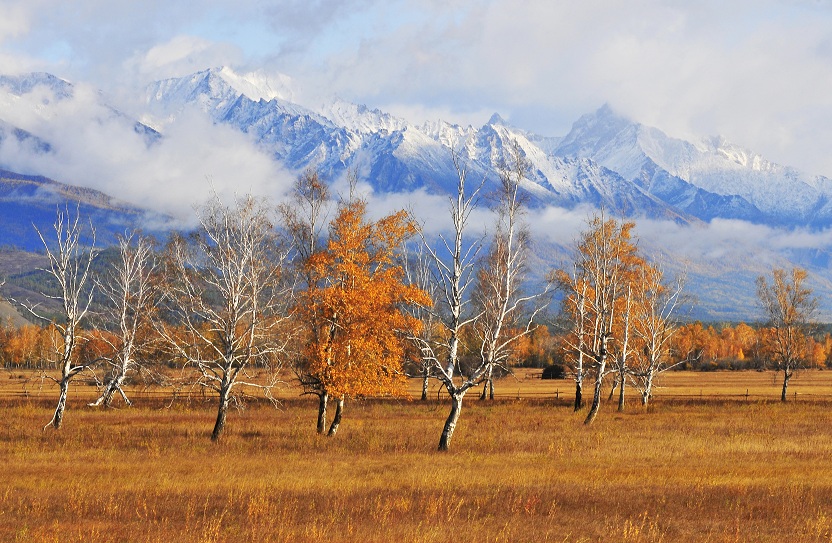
x=25 y=83
x=258 y=85
x=497 y=120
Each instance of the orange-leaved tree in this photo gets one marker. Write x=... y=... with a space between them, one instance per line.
x=353 y=308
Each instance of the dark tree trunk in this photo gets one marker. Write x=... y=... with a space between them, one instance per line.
x=222 y=410
x=336 y=420
x=323 y=398
x=612 y=390
x=579 y=395
x=786 y=376
x=450 y=423
x=622 y=385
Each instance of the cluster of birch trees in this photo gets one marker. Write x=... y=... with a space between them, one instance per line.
x=316 y=285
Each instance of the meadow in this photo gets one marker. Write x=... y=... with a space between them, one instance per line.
x=703 y=463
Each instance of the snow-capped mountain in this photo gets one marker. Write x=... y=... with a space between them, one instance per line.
x=708 y=179
x=605 y=159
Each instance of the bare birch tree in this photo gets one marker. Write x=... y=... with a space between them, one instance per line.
x=70 y=258
x=498 y=296
x=419 y=273
x=130 y=296
x=789 y=306
x=454 y=262
x=224 y=295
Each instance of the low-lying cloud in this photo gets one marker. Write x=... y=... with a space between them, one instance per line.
x=92 y=146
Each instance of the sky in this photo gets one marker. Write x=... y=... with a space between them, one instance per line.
x=758 y=72
x=755 y=71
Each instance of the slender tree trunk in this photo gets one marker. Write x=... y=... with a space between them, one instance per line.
x=579 y=382
x=222 y=410
x=323 y=398
x=450 y=423
x=648 y=391
x=786 y=376
x=596 y=399
x=336 y=420
x=621 y=386
x=124 y=397
x=58 y=416
x=110 y=389
x=599 y=377
x=489 y=382
x=425 y=376
x=612 y=390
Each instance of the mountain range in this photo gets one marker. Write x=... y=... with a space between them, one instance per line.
x=605 y=160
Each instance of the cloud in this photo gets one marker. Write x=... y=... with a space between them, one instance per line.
x=180 y=56
x=755 y=71
x=96 y=148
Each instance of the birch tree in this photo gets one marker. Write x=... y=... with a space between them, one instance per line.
x=498 y=296
x=130 y=296
x=654 y=325
x=575 y=304
x=419 y=273
x=70 y=255
x=226 y=301
x=454 y=263
x=789 y=306
x=605 y=255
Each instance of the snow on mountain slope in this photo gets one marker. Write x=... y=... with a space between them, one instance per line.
x=19 y=85
x=712 y=167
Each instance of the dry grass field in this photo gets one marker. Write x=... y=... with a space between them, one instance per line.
x=716 y=469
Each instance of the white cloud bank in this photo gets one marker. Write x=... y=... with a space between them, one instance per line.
x=91 y=146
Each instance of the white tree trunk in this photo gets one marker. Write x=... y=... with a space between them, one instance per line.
x=450 y=423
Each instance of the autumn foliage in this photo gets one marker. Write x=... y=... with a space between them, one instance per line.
x=354 y=304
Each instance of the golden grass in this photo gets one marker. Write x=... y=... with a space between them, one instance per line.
x=529 y=470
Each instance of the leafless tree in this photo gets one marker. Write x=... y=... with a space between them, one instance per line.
x=419 y=272
x=454 y=263
x=789 y=307
x=131 y=298
x=70 y=259
x=224 y=296
x=498 y=296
